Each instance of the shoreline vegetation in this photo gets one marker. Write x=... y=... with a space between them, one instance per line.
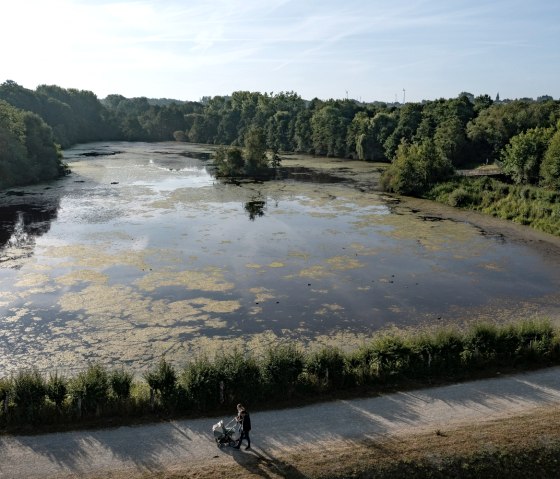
x=284 y=375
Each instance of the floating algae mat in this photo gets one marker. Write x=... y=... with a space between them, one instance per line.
x=141 y=252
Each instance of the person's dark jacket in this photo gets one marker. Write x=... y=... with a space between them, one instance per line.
x=246 y=422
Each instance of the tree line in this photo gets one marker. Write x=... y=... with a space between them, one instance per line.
x=424 y=141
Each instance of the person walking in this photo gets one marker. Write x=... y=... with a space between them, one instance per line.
x=244 y=420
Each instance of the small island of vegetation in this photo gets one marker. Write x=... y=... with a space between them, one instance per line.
x=253 y=161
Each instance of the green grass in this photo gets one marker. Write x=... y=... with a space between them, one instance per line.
x=526 y=205
x=283 y=376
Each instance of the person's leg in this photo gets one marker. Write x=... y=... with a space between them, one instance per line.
x=248 y=440
x=241 y=437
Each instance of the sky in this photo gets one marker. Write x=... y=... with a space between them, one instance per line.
x=368 y=50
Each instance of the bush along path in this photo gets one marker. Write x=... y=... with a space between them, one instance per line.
x=186 y=448
x=283 y=376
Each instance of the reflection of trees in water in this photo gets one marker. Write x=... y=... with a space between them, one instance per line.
x=255 y=208
x=21 y=223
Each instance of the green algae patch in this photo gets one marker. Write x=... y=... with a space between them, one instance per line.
x=299 y=255
x=437 y=235
x=262 y=294
x=329 y=309
x=32 y=280
x=315 y=272
x=96 y=257
x=253 y=266
x=363 y=250
x=6 y=299
x=209 y=279
x=80 y=276
x=276 y=264
x=213 y=306
x=344 y=263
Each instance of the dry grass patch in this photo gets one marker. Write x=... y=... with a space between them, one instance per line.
x=528 y=445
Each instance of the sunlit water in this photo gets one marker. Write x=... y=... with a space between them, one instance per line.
x=142 y=252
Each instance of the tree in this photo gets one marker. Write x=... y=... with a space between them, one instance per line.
x=357 y=137
x=408 y=120
x=416 y=167
x=229 y=162
x=450 y=140
x=302 y=132
x=252 y=161
x=492 y=129
x=328 y=131
x=522 y=156
x=255 y=151
x=550 y=167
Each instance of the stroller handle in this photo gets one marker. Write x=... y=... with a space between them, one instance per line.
x=231 y=422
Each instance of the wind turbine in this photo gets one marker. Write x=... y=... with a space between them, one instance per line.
x=403 y=95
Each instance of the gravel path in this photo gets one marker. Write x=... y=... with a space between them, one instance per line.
x=174 y=445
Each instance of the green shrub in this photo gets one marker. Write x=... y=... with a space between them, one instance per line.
x=359 y=364
x=327 y=368
x=5 y=388
x=459 y=198
x=163 y=379
x=422 y=354
x=535 y=340
x=90 y=389
x=29 y=393
x=57 y=388
x=240 y=375
x=481 y=345
x=121 y=382
x=391 y=355
x=201 y=382
x=447 y=349
x=281 y=368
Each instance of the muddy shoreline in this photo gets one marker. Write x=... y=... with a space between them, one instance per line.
x=366 y=177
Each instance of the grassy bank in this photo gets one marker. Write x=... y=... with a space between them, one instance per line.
x=526 y=205
x=284 y=375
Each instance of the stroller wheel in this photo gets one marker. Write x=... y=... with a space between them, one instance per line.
x=232 y=443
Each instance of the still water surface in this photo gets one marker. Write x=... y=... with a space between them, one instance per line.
x=142 y=252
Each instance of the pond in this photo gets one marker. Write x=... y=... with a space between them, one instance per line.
x=141 y=252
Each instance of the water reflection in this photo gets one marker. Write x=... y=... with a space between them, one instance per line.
x=22 y=222
x=255 y=208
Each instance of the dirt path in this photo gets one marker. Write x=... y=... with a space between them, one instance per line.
x=184 y=445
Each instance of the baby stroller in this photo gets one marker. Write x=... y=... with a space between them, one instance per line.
x=224 y=435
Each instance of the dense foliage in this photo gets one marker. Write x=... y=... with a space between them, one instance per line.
x=27 y=151
x=284 y=373
x=253 y=161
